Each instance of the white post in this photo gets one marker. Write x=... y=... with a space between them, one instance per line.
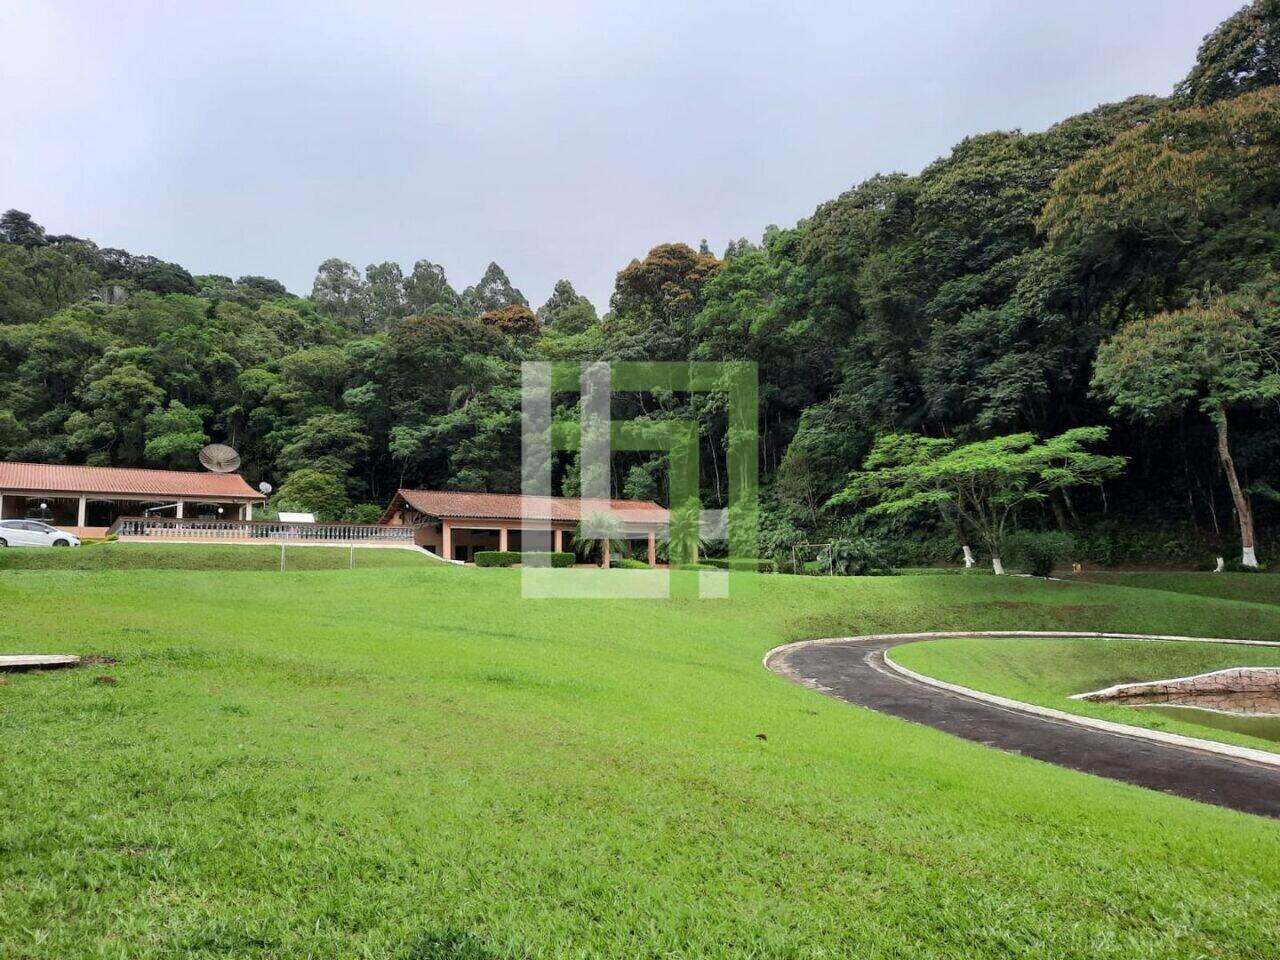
x=502 y=538
x=351 y=563
x=178 y=512
x=81 y=512
x=282 y=558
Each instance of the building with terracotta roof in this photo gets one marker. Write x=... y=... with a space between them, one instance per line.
x=455 y=525
x=87 y=500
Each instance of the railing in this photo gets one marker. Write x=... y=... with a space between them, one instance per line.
x=272 y=531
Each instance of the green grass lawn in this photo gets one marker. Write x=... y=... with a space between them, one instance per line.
x=1250 y=587
x=223 y=556
x=1050 y=671
x=415 y=763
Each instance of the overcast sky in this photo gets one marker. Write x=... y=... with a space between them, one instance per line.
x=559 y=139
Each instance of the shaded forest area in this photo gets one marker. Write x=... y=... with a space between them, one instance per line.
x=967 y=302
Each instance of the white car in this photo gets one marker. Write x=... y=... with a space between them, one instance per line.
x=33 y=533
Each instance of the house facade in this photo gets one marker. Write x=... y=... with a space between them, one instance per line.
x=456 y=525
x=87 y=500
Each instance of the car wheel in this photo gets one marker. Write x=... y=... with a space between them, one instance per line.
x=3 y=542
x=61 y=543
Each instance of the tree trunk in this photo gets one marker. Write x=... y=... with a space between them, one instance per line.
x=1248 y=555
x=968 y=557
x=1059 y=514
x=997 y=566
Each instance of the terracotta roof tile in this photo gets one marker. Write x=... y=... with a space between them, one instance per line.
x=61 y=478
x=449 y=504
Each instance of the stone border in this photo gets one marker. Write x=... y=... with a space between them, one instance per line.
x=1118 y=690
x=1262 y=757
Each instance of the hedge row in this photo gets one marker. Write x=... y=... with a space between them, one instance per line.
x=757 y=566
x=509 y=558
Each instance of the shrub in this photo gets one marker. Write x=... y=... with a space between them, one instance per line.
x=626 y=563
x=857 y=557
x=764 y=565
x=509 y=558
x=497 y=558
x=1038 y=553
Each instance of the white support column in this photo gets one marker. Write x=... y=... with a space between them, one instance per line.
x=446 y=540
x=81 y=512
x=502 y=538
x=178 y=512
x=1 y=506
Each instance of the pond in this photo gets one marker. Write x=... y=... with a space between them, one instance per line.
x=1263 y=726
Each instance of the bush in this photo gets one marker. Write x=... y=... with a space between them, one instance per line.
x=626 y=563
x=509 y=558
x=857 y=557
x=1038 y=553
x=364 y=513
x=753 y=566
x=497 y=558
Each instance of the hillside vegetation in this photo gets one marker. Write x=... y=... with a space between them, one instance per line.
x=1116 y=270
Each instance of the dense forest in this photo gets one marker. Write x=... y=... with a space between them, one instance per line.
x=1000 y=290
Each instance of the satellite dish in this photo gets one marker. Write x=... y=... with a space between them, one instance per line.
x=219 y=458
x=265 y=488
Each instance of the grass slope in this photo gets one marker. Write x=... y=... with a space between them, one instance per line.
x=1249 y=587
x=1048 y=672
x=224 y=556
x=415 y=763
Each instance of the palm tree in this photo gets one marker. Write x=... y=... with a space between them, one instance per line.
x=598 y=535
x=684 y=532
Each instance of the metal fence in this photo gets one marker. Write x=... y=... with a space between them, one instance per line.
x=268 y=531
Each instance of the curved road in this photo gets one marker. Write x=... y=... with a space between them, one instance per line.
x=854 y=669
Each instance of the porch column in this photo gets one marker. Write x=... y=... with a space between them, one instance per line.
x=653 y=550
x=80 y=511
x=248 y=511
x=558 y=546
x=502 y=538
x=446 y=540
x=178 y=512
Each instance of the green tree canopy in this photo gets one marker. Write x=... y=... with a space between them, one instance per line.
x=983 y=484
x=1212 y=357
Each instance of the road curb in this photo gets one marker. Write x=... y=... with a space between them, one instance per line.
x=1260 y=757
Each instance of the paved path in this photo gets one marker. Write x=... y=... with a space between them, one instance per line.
x=854 y=670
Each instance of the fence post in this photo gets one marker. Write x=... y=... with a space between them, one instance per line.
x=282 y=558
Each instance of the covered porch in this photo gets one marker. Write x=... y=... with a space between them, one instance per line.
x=87 y=515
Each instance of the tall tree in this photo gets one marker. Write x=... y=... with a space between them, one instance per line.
x=1214 y=357
x=18 y=227
x=427 y=291
x=983 y=484
x=339 y=292
x=493 y=292
x=1242 y=54
x=384 y=288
